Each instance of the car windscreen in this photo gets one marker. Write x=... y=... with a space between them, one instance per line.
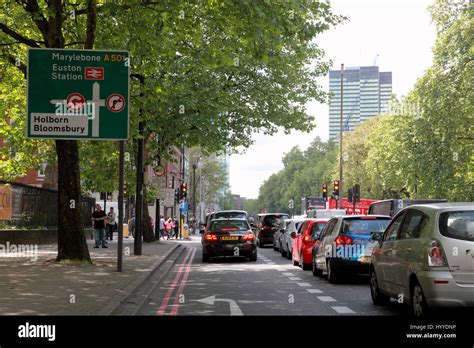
x=229 y=226
x=457 y=225
x=364 y=226
x=230 y=215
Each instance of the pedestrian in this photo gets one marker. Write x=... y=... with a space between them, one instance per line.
x=169 y=227
x=162 y=227
x=110 y=224
x=98 y=218
x=132 y=225
x=176 y=227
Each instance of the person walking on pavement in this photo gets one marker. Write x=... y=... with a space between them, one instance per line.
x=162 y=227
x=169 y=227
x=176 y=227
x=110 y=224
x=98 y=218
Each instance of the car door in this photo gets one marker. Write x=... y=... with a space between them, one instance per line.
x=321 y=247
x=384 y=256
x=298 y=242
x=406 y=248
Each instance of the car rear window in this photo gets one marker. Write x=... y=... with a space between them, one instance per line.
x=317 y=228
x=230 y=215
x=457 y=225
x=273 y=220
x=364 y=226
x=229 y=226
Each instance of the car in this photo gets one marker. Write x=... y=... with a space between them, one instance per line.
x=340 y=250
x=426 y=257
x=303 y=242
x=286 y=242
x=277 y=235
x=228 y=237
x=267 y=225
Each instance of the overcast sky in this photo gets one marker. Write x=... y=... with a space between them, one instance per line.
x=399 y=31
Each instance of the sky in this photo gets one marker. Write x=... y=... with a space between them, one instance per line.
x=399 y=31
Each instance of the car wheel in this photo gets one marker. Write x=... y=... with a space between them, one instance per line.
x=305 y=266
x=205 y=258
x=260 y=245
x=253 y=257
x=295 y=263
x=334 y=274
x=418 y=301
x=378 y=298
x=274 y=246
x=316 y=272
x=289 y=256
x=282 y=252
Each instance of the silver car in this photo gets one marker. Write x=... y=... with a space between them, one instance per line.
x=286 y=242
x=426 y=258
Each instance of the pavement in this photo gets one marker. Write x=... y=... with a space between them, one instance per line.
x=40 y=286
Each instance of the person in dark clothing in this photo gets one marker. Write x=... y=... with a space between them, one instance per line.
x=176 y=227
x=98 y=218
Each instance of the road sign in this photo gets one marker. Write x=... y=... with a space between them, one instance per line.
x=78 y=94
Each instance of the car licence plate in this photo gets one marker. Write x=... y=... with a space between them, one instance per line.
x=229 y=238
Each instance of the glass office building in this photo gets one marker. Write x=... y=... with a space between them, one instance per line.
x=366 y=93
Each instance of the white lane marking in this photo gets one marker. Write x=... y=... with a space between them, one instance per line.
x=326 y=299
x=288 y=274
x=342 y=309
x=270 y=263
x=234 y=308
x=314 y=291
x=303 y=284
x=295 y=278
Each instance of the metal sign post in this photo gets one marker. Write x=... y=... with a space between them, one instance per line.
x=120 y=206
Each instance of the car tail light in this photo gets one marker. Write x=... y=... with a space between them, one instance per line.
x=266 y=228
x=248 y=236
x=436 y=255
x=343 y=240
x=210 y=237
x=307 y=239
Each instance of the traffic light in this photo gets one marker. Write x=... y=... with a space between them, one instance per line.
x=325 y=192
x=336 y=187
x=349 y=195
x=177 y=194
x=357 y=193
x=184 y=190
x=125 y=189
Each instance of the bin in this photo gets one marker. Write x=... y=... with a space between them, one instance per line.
x=125 y=231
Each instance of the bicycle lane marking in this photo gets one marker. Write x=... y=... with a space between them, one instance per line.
x=164 y=303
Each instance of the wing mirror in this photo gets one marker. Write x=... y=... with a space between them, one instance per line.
x=293 y=235
x=376 y=237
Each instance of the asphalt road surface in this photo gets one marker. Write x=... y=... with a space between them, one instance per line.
x=270 y=286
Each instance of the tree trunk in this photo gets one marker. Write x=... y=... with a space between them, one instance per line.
x=71 y=239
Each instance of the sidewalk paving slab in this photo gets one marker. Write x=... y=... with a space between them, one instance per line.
x=45 y=287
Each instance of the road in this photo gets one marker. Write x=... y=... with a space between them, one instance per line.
x=270 y=286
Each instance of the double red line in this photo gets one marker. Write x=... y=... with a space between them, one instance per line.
x=186 y=268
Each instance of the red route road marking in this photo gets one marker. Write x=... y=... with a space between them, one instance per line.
x=176 y=303
x=167 y=297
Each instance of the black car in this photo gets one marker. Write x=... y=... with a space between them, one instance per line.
x=229 y=237
x=267 y=225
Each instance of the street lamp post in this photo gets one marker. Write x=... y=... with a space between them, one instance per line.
x=340 y=139
x=194 y=188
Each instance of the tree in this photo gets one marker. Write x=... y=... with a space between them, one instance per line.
x=213 y=72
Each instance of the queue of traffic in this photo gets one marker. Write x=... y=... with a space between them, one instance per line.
x=423 y=255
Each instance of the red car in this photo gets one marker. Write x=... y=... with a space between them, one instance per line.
x=303 y=241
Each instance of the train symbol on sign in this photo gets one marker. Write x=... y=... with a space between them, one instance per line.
x=115 y=103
